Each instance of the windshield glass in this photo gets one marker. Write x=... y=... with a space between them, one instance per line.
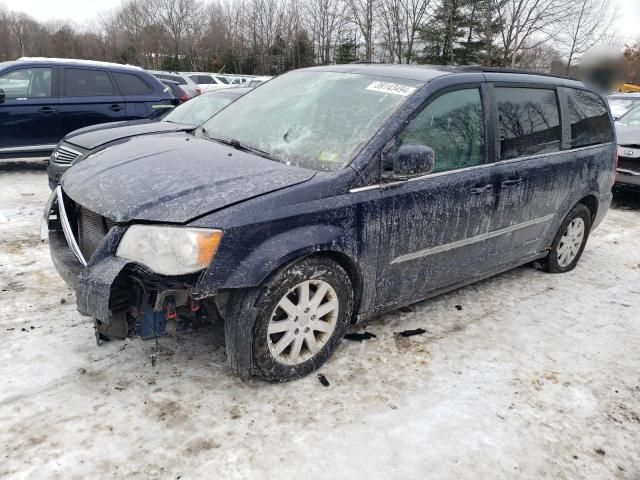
x=312 y=119
x=631 y=118
x=223 y=80
x=198 y=110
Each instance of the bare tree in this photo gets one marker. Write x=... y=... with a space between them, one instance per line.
x=363 y=16
x=527 y=24
x=177 y=17
x=401 y=21
x=324 y=18
x=588 y=23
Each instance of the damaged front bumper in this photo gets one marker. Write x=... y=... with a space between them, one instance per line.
x=124 y=298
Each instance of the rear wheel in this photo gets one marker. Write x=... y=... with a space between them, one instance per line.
x=569 y=243
x=304 y=312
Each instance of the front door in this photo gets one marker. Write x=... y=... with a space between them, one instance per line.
x=434 y=227
x=29 y=113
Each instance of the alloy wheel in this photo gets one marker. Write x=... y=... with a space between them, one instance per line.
x=570 y=242
x=302 y=322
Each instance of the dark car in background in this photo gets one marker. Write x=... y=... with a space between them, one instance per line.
x=43 y=99
x=628 y=133
x=81 y=144
x=329 y=195
x=179 y=94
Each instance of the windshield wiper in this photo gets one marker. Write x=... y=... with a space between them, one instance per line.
x=241 y=146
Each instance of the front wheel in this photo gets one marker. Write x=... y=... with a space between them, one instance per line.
x=305 y=311
x=569 y=243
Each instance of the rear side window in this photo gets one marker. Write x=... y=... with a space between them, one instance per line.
x=27 y=83
x=87 y=83
x=173 y=78
x=202 y=79
x=528 y=120
x=130 y=84
x=453 y=126
x=589 y=119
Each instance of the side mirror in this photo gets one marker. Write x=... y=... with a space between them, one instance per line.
x=1 y=95
x=412 y=161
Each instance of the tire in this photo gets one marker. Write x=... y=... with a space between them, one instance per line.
x=566 y=250
x=250 y=342
x=318 y=273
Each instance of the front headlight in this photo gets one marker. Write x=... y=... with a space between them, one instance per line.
x=170 y=250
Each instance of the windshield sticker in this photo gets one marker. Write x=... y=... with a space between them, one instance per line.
x=393 y=88
x=329 y=157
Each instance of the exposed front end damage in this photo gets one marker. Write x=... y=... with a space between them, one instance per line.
x=124 y=298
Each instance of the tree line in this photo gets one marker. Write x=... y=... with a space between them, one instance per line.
x=272 y=36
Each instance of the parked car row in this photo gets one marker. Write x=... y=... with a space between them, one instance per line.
x=324 y=197
x=194 y=83
x=43 y=99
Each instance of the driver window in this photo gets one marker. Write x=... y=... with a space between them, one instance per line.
x=27 y=83
x=453 y=126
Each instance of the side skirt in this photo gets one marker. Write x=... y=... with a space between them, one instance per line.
x=364 y=316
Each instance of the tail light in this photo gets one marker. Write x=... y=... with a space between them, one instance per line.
x=184 y=97
x=198 y=91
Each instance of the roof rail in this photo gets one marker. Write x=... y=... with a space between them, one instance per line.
x=77 y=61
x=483 y=69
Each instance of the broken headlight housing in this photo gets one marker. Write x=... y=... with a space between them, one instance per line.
x=170 y=250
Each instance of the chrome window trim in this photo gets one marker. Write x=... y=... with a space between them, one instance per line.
x=626 y=171
x=468 y=241
x=66 y=228
x=475 y=167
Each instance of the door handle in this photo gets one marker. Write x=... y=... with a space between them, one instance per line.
x=115 y=108
x=480 y=190
x=512 y=182
x=47 y=110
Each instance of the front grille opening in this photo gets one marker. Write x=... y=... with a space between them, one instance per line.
x=92 y=228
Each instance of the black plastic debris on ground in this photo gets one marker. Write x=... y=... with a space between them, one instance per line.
x=458 y=307
x=359 y=337
x=323 y=380
x=411 y=333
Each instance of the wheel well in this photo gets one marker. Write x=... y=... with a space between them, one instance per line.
x=354 y=275
x=591 y=202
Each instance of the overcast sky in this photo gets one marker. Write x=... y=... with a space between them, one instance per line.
x=83 y=12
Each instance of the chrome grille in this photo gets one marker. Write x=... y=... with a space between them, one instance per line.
x=64 y=155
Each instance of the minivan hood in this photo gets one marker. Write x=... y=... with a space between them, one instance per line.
x=173 y=178
x=98 y=135
x=627 y=135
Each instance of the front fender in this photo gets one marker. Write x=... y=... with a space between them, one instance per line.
x=275 y=252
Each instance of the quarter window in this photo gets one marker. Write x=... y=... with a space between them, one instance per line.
x=27 y=83
x=130 y=84
x=589 y=119
x=202 y=79
x=528 y=120
x=453 y=126
x=87 y=83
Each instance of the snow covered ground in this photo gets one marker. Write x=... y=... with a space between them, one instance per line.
x=536 y=376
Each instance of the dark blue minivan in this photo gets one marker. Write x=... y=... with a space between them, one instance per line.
x=43 y=99
x=329 y=195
